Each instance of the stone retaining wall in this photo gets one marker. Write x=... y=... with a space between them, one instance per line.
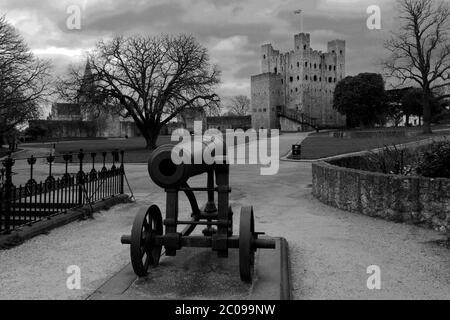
x=416 y=200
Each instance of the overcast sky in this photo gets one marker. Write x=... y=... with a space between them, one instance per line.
x=232 y=30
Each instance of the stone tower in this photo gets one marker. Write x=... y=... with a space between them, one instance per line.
x=301 y=81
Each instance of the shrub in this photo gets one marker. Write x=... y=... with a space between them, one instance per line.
x=392 y=160
x=435 y=162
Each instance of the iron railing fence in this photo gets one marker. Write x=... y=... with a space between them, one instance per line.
x=34 y=201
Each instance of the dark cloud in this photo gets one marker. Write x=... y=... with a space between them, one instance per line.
x=233 y=30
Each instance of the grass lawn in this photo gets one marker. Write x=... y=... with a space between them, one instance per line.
x=321 y=145
x=135 y=148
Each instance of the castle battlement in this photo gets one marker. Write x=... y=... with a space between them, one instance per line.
x=304 y=81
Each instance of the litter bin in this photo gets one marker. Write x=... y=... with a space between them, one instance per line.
x=296 y=151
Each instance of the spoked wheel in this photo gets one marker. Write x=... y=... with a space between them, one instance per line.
x=246 y=248
x=144 y=253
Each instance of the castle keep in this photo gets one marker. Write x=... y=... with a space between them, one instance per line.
x=297 y=85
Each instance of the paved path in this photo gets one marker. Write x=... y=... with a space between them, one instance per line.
x=330 y=249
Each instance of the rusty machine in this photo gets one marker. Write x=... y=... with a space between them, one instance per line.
x=148 y=237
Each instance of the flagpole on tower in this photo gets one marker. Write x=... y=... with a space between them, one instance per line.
x=300 y=13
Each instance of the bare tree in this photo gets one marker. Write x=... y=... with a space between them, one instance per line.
x=240 y=105
x=24 y=80
x=420 y=50
x=214 y=110
x=151 y=79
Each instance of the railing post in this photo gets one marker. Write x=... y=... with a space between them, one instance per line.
x=31 y=161
x=8 y=163
x=50 y=179
x=80 y=178
x=122 y=172
x=104 y=154
x=67 y=158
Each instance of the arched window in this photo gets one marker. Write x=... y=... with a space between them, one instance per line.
x=304 y=47
x=264 y=56
x=298 y=64
x=330 y=80
x=341 y=52
x=306 y=77
x=315 y=78
x=306 y=64
x=315 y=66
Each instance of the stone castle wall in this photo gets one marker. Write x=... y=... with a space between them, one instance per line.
x=307 y=79
x=267 y=93
x=415 y=200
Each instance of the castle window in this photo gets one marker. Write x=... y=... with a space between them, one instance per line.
x=306 y=64
x=304 y=47
x=315 y=66
x=306 y=77
x=282 y=81
x=264 y=56
x=315 y=78
x=330 y=68
x=298 y=64
x=264 y=110
x=291 y=79
x=298 y=78
x=334 y=51
x=320 y=79
x=275 y=70
x=296 y=89
x=330 y=79
x=334 y=68
x=341 y=52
